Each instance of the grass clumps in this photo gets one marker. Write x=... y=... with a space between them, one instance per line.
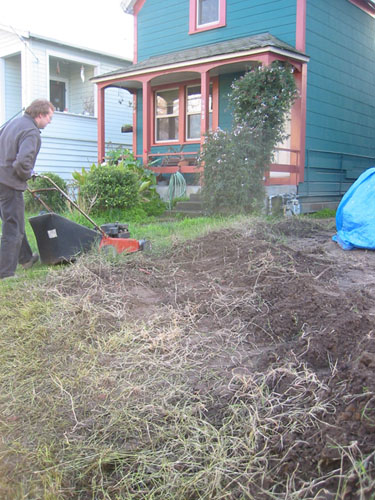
x=199 y=371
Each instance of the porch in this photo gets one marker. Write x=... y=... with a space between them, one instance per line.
x=178 y=97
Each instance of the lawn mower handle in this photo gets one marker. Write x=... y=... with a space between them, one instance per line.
x=72 y=202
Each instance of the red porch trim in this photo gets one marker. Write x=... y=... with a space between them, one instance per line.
x=147 y=100
x=182 y=99
x=301 y=25
x=135 y=104
x=205 y=97
x=203 y=69
x=186 y=169
x=302 y=144
x=137 y=7
x=181 y=113
x=193 y=28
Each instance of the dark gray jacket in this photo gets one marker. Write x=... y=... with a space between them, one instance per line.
x=19 y=146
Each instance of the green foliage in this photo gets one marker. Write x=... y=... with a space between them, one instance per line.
x=233 y=181
x=324 y=213
x=262 y=98
x=110 y=186
x=52 y=198
x=132 y=187
x=236 y=161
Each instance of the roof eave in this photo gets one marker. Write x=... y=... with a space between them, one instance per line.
x=184 y=64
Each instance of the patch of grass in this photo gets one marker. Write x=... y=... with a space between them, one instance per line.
x=109 y=391
x=325 y=213
x=96 y=405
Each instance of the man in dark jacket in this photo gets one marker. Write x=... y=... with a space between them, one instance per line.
x=19 y=146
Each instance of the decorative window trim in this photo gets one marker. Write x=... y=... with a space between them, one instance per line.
x=188 y=114
x=193 y=24
x=182 y=111
x=169 y=115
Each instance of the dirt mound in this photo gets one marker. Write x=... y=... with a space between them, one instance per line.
x=276 y=309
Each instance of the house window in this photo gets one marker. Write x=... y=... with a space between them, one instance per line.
x=193 y=112
x=57 y=94
x=166 y=115
x=206 y=15
x=208 y=12
x=70 y=87
x=178 y=113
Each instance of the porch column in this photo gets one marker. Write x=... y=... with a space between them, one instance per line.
x=146 y=90
x=303 y=93
x=205 y=101
x=101 y=124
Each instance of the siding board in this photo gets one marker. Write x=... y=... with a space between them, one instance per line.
x=340 y=96
x=244 y=18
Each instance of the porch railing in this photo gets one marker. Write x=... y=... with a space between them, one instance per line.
x=284 y=171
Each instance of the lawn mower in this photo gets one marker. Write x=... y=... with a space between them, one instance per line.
x=62 y=240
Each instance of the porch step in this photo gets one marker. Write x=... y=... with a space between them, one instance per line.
x=191 y=208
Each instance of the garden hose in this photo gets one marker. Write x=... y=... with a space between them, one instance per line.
x=177 y=187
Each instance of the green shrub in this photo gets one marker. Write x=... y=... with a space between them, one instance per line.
x=120 y=183
x=233 y=180
x=110 y=186
x=235 y=162
x=55 y=201
x=262 y=98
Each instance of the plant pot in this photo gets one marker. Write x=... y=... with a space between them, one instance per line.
x=127 y=128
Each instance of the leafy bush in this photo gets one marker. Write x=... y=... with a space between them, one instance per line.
x=261 y=99
x=233 y=180
x=131 y=186
x=110 y=186
x=236 y=161
x=52 y=198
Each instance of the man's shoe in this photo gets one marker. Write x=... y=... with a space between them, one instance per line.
x=29 y=265
x=13 y=277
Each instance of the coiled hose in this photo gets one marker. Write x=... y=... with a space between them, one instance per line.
x=177 y=187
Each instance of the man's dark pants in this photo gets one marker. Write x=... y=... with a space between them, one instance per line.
x=15 y=248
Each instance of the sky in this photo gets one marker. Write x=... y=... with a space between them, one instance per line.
x=101 y=25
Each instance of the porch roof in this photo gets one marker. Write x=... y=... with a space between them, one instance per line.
x=263 y=42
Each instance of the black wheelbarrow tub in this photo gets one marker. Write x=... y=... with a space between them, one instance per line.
x=60 y=239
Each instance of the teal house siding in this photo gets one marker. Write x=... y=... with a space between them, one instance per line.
x=340 y=121
x=244 y=18
x=225 y=114
x=330 y=44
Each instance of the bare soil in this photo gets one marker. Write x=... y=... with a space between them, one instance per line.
x=265 y=297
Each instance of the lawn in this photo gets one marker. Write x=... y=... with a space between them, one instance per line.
x=234 y=361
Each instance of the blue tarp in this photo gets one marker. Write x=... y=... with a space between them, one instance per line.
x=355 y=216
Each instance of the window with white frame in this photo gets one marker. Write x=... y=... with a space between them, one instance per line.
x=207 y=12
x=193 y=111
x=70 y=88
x=166 y=115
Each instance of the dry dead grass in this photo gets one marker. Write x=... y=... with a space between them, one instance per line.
x=126 y=380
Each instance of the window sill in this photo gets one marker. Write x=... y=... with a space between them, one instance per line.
x=81 y=115
x=206 y=28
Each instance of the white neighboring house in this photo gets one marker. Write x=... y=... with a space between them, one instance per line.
x=32 y=67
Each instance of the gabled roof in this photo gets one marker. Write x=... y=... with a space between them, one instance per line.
x=211 y=51
x=27 y=35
